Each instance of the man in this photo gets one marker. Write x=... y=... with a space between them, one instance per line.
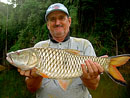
x=58 y=23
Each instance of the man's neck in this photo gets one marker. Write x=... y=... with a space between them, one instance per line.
x=58 y=40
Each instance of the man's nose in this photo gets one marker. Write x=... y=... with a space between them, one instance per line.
x=57 y=22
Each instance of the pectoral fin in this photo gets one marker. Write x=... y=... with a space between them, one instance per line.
x=43 y=75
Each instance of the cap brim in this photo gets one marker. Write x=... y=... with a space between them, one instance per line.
x=55 y=10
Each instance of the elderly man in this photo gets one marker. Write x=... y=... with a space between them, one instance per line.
x=58 y=23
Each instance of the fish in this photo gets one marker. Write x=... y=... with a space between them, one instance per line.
x=63 y=64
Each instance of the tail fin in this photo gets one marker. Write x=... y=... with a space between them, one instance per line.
x=113 y=72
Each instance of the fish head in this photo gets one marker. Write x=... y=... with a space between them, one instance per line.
x=24 y=59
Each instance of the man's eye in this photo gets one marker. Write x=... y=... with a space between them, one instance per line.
x=61 y=18
x=52 y=19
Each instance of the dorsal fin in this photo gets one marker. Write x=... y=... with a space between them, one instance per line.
x=72 y=51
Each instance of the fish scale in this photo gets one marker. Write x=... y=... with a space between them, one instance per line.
x=60 y=69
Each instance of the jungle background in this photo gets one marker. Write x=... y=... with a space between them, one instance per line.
x=106 y=23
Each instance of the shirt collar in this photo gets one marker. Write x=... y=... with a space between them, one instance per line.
x=54 y=41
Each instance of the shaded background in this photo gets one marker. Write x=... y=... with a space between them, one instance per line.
x=106 y=23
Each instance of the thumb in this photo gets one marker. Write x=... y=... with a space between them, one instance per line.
x=33 y=72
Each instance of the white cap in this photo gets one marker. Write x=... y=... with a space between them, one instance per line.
x=56 y=7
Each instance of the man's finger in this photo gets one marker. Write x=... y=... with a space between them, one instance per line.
x=104 y=56
x=90 y=70
x=100 y=69
x=18 y=70
x=33 y=72
x=93 y=66
x=22 y=72
x=27 y=73
x=84 y=68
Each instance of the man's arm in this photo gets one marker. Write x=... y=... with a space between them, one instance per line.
x=33 y=81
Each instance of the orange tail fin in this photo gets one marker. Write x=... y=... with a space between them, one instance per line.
x=113 y=72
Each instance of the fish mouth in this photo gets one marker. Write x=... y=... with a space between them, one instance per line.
x=9 y=59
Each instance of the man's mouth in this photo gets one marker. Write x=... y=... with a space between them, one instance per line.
x=56 y=26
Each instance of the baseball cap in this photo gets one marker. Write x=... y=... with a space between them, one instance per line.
x=56 y=7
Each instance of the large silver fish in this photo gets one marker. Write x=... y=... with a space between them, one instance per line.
x=63 y=63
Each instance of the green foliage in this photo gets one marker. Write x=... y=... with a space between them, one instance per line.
x=43 y=34
x=73 y=13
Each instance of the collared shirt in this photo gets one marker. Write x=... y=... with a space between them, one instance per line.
x=50 y=88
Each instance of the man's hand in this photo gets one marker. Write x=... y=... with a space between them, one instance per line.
x=33 y=80
x=92 y=71
x=91 y=74
x=28 y=73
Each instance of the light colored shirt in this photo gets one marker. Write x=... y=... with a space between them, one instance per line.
x=50 y=88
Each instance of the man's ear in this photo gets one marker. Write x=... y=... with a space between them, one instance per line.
x=70 y=20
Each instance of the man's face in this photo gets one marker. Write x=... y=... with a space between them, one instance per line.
x=58 y=24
